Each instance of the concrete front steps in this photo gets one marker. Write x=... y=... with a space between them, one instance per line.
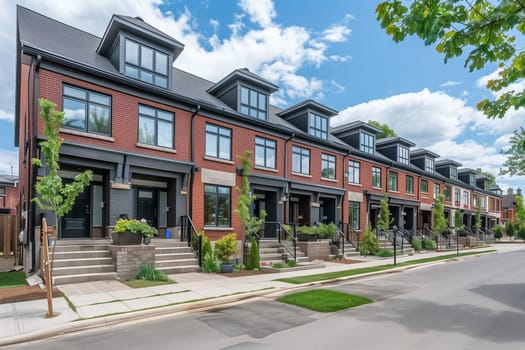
x=74 y=262
x=272 y=251
x=172 y=256
x=350 y=252
x=384 y=243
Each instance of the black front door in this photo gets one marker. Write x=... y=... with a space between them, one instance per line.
x=147 y=207
x=75 y=224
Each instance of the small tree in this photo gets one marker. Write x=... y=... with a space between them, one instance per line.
x=368 y=245
x=385 y=219
x=254 y=258
x=440 y=223
x=458 y=222
x=53 y=194
x=520 y=210
x=498 y=232
x=510 y=229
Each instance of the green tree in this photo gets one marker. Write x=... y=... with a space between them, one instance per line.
x=515 y=163
x=477 y=218
x=385 y=219
x=458 y=220
x=440 y=222
x=368 y=245
x=510 y=229
x=498 y=232
x=386 y=131
x=491 y=178
x=254 y=258
x=483 y=31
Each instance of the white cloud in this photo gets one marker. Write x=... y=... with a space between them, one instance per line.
x=6 y=115
x=337 y=33
x=450 y=83
x=261 y=12
x=8 y=159
x=437 y=115
x=338 y=87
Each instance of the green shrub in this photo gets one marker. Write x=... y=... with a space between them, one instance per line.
x=510 y=229
x=416 y=244
x=368 y=245
x=148 y=272
x=521 y=231
x=226 y=247
x=210 y=263
x=291 y=263
x=135 y=226
x=498 y=232
x=254 y=258
x=279 y=265
x=385 y=253
x=239 y=267
x=206 y=245
x=428 y=244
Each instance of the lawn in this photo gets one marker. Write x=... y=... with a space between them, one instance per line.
x=323 y=300
x=145 y=283
x=360 y=271
x=12 y=279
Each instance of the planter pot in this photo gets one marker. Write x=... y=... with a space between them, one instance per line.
x=126 y=238
x=227 y=267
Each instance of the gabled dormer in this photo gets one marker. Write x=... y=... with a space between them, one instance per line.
x=424 y=159
x=245 y=92
x=395 y=148
x=496 y=190
x=482 y=181
x=139 y=50
x=359 y=135
x=468 y=176
x=311 y=117
x=448 y=168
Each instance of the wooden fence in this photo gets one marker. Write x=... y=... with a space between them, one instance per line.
x=8 y=235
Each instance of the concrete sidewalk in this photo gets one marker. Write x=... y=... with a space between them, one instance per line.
x=110 y=302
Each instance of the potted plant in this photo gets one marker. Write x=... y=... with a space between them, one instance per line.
x=225 y=248
x=132 y=231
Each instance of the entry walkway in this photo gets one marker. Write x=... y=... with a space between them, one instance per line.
x=111 y=302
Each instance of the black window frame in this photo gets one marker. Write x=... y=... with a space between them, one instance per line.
x=142 y=69
x=423 y=189
x=354 y=212
x=376 y=177
x=404 y=155
x=453 y=173
x=366 y=142
x=393 y=186
x=320 y=131
x=256 y=108
x=218 y=135
x=217 y=196
x=457 y=196
x=87 y=103
x=301 y=152
x=266 y=144
x=328 y=159
x=353 y=169
x=156 y=119
x=429 y=165
x=409 y=189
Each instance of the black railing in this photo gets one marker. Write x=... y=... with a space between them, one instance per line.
x=350 y=235
x=189 y=234
x=407 y=234
x=288 y=239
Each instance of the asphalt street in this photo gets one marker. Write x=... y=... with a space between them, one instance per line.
x=475 y=303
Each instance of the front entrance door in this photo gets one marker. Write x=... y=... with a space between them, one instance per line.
x=147 y=207
x=76 y=223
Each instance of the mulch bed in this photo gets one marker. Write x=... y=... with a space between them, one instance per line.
x=345 y=261
x=24 y=293
x=242 y=273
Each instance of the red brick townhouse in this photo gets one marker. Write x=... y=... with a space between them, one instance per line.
x=163 y=144
x=8 y=194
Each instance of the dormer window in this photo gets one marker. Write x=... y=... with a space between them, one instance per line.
x=404 y=156
x=318 y=126
x=254 y=103
x=454 y=173
x=146 y=64
x=429 y=165
x=366 y=143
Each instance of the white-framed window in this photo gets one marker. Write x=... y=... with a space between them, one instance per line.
x=265 y=151
x=354 y=172
x=300 y=160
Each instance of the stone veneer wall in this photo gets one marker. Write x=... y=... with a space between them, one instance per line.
x=315 y=250
x=128 y=258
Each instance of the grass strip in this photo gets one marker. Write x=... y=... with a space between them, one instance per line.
x=363 y=270
x=12 y=279
x=323 y=300
x=146 y=283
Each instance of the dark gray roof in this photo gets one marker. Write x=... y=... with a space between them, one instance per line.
x=423 y=152
x=394 y=140
x=8 y=180
x=355 y=125
x=246 y=75
x=327 y=111
x=445 y=162
x=467 y=170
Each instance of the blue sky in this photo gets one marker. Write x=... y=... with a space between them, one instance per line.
x=336 y=54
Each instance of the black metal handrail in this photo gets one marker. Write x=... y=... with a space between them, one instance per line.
x=288 y=239
x=190 y=235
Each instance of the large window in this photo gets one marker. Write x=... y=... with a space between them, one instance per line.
x=474 y=200
x=265 y=152
x=353 y=215
x=404 y=155
x=424 y=186
x=437 y=190
x=217 y=206
x=448 y=194
x=85 y=110
x=327 y=166
x=409 y=182
x=155 y=127
x=354 y=170
x=300 y=160
x=253 y=103
x=429 y=165
x=376 y=177
x=218 y=142
x=318 y=126
x=366 y=143
x=454 y=173
x=146 y=64
x=466 y=198
x=392 y=181
x=457 y=196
